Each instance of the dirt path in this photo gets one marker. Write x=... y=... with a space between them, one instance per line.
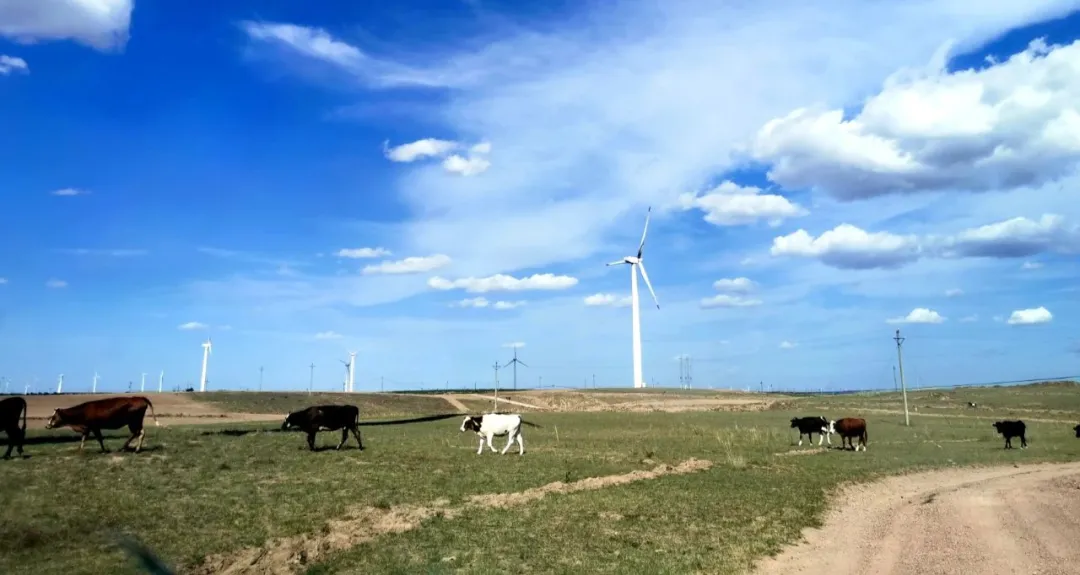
x=504 y=400
x=170 y=408
x=455 y=403
x=991 y=521
x=292 y=554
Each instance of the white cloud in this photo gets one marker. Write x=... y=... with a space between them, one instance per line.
x=730 y=204
x=470 y=166
x=516 y=344
x=918 y=315
x=328 y=335
x=481 y=148
x=192 y=325
x=70 y=192
x=10 y=64
x=428 y=147
x=849 y=247
x=954 y=292
x=56 y=284
x=725 y=300
x=1030 y=316
x=472 y=302
x=607 y=299
x=788 y=345
x=505 y=305
x=735 y=285
x=409 y=265
x=100 y=24
x=501 y=282
x=116 y=253
x=362 y=253
x=1015 y=123
x=609 y=115
x=1031 y=265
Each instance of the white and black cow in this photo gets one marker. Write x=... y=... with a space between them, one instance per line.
x=490 y=425
x=810 y=425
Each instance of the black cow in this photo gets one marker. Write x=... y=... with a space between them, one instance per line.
x=1077 y=430
x=10 y=409
x=808 y=426
x=326 y=417
x=1011 y=429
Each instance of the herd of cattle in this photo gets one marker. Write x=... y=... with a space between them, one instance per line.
x=91 y=417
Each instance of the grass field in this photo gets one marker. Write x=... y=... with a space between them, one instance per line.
x=200 y=494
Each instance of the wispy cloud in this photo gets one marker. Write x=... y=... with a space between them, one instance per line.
x=192 y=326
x=70 y=192
x=118 y=253
x=56 y=284
x=363 y=253
x=327 y=335
x=12 y=64
x=502 y=282
x=409 y=265
x=607 y=299
x=100 y=24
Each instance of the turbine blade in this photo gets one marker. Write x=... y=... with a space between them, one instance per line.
x=617 y=263
x=645 y=276
x=522 y=363
x=641 y=246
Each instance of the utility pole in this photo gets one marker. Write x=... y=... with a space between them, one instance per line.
x=896 y=386
x=311 y=379
x=903 y=384
x=496 y=410
x=380 y=383
x=260 y=377
x=689 y=378
x=594 y=381
x=682 y=371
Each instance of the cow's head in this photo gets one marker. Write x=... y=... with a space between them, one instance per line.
x=285 y=425
x=794 y=422
x=999 y=425
x=56 y=420
x=1077 y=430
x=829 y=426
x=472 y=423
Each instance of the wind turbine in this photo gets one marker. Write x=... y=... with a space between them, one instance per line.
x=635 y=263
x=205 y=357
x=60 y=384
x=142 y=385
x=350 y=373
x=515 y=363
x=93 y=388
x=161 y=381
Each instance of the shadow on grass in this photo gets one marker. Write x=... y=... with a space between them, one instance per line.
x=276 y=429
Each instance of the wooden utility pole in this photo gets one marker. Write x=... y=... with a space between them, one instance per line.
x=311 y=379
x=903 y=384
x=496 y=410
x=260 y=377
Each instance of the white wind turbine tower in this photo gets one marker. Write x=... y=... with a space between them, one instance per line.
x=205 y=357
x=60 y=384
x=93 y=388
x=636 y=262
x=161 y=381
x=350 y=372
x=142 y=385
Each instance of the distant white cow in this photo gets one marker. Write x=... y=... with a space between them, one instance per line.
x=490 y=425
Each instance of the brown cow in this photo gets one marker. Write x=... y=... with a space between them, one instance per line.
x=849 y=427
x=112 y=413
x=10 y=409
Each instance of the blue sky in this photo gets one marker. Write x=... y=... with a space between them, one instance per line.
x=429 y=184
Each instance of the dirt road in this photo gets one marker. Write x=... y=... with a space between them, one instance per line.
x=991 y=521
x=170 y=408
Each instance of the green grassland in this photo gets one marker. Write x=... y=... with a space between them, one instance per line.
x=372 y=405
x=209 y=489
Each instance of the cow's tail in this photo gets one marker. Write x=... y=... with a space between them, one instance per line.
x=531 y=424
x=25 y=409
x=151 y=405
x=865 y=437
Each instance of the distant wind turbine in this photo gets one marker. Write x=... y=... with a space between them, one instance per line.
x=142 y=384
x=636 y=262
x=93 y=388
x=515 y=363
x=350 y=372
x=207 y=345
x=60 y=384
x=161 y=381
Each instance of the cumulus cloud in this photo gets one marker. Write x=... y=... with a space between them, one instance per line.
x=327 y=335
x=609 y=115
x=505 y=305
x=68 y=192
x=849 y=247
x=918 y=315
x=1014 y=123
x=730 y=204
x=100 y=24
x=735 y=285
x=192 y=326
x=607 y=299
x=502 y=282
x=11 y=64
x=56 y=284
x=472 y=302
x=1030 y=316
x=362 y=253
x=428 y=147
x=470 y=166
x=1031 y=265
x=409 y=265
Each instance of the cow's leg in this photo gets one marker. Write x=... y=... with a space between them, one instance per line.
x=1008 y=442
x=1023 y=441
x=509 y=442
x=136 y=433
x=311 y=440
x=140 y=433
x=344 y=437
x=800 y=438
x=480 y=449
x=100 y=440
x=521 y=444
x=356 y=434
x=22 y=440
x=490 y=446
x=11 y=443
x=82 y=442
x=820 y=439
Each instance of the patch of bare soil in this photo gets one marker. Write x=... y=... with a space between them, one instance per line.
x=170 y=408
x=810 y=451
x=577 y=401
x=999 y=520
x=289 y=555
x=461 y=407
x=502 y=399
